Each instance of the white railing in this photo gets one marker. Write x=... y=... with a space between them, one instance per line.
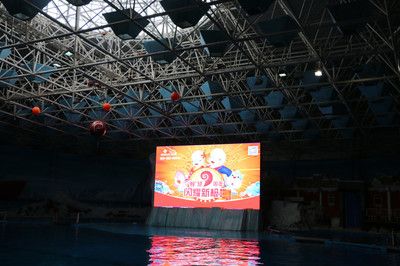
x=77 y=218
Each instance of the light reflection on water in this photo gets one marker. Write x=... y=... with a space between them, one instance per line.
x=171 y=250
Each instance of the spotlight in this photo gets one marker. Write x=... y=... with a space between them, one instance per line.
x=69 y=53
x=282 y=74
x=318 y=73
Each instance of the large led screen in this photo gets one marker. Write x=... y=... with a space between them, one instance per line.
x=206 y=176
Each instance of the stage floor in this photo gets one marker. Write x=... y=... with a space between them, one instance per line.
x=127 y=244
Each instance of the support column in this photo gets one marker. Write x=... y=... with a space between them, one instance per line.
x=320 y=197
x=389 y=204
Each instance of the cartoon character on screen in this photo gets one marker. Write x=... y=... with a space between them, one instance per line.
x=217 y=160
x=180 y=181
x=198 y=161
x=162 y=187
x=234 y=181
x=252 y=190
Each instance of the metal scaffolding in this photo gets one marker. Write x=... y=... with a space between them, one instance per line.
x=103 y=68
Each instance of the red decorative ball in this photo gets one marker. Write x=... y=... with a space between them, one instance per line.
x=36 y=111
x=175 y=96
x=106 y=107
x=98 y=128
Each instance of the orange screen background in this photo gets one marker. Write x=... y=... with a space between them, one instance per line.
x=237 y=158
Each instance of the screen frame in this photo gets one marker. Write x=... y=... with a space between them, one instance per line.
x=260 y=156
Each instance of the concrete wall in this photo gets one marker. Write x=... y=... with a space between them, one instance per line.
x=201 y=218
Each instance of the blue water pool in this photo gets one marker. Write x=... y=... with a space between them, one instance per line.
x=105 y=244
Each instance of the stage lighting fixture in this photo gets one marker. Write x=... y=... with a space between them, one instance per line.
x=282 y=74
x=57 y=65
x=318 y=69
x=22 y=10
x=79 y=2
x=129 y=29
x=318 y=73
x=69 y=53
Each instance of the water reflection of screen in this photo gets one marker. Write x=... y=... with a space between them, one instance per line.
x=172 y=250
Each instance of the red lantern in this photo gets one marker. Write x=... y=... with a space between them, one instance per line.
x=36 y=111
x=98 y=128
x=175 y=96
x=106 y=107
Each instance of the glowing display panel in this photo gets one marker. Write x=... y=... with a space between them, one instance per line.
x=207 y=176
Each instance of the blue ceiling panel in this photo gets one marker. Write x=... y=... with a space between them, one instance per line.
x=288 y=112
x=274 y=99
x=263 y=126
x=247 y=116
x=210 y=118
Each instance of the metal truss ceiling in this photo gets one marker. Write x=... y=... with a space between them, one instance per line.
x=349 y=99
